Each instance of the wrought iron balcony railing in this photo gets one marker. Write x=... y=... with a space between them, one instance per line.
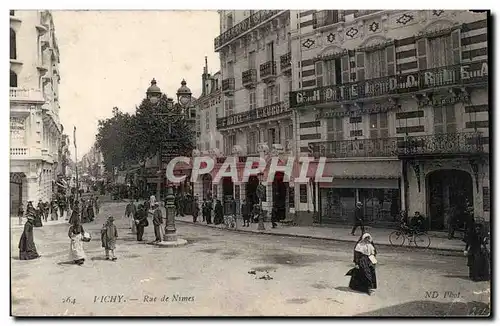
x=449 y=143
x=256 y=19
x=446 y=143
x=228 y=84
x=249 y=77
x=379 y=147
x=268 y=69
x=252 y=115
x=286 y=61
x=457 y=75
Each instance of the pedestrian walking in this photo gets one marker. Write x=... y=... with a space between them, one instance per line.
x=90 y=210
x=196 y=209
x=46 y=211
x=130 y=212
x=38 y=215
x=478 y=257
x=76 y=252
x=274 y=217
x=53 y=211
x=218 y=213
x=84 y=212
x=245 y=212
x=27 y=248
x=109 y=233
x=97 y=205
x=363 y=276
x=208 y=211
x=141 y=221
x=358 y=218
x=157 y=222
x=75 y=214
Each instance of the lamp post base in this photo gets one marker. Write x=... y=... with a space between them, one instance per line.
x=177 y=243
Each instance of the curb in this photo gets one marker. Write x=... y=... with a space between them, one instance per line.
x=319 y=238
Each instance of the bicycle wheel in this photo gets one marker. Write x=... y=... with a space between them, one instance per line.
x=397 y=238
x=422 y=240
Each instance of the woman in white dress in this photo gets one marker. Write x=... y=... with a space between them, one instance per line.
x=76 y=253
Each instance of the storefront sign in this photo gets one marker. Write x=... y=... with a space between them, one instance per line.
x=377 y=108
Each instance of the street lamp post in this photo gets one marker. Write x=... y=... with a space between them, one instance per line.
x=184 y=100
x=260 y=194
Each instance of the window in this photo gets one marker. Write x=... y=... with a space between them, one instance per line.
x=12 y=12
x=440 y=52
x=303 y=193
x=335 y=129
x=376 y=64
x=252 y=99
x=207 y=146
x=272 y=137
x=251 y=60
x=332 y=73
x=270 y=51
x=326 y=17
x=13 y=79
x=230 y=70
x=13 y=44
x=271 y=95
x=217 y=144
x=444 y=120
x=252 y=142
x=378 y=125
x=229 y=144
x=319 y=73
x=217 y=112
x=228 y=107
x=207 y=121
x=229 y=21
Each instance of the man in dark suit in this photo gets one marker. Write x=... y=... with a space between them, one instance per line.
x=358 y=218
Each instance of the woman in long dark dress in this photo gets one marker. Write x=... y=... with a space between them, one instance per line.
x=84 y=212
x=218 y=213
x=27 y=248
x=478 y=258
x=363 y=276
x=90 y=211
x=75 y=214
x=38 y=214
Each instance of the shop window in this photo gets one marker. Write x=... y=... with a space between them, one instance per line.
x=303 y=194
x=337 y=204
x=380 y=205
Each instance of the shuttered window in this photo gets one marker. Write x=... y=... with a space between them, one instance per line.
x=440 y=53
x=360 y=66
x=376 y=64
x=335 y=129
x=445 y=120
x=266 y=96
x=391 y=60
x=319 y=73
x=345 y=69
x=329 y=72
x=456 y=47
x=422 y=54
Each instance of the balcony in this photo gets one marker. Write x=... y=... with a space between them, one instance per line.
x=360 y=13
x=19 y=152
x=379 y=147
x=286 y=63
x=268 y=71
x=449 y=144
x=269 y=111
x=228 y=85
x=473 y=74
x=26 y=95
x=249 y=78
x=246 y=25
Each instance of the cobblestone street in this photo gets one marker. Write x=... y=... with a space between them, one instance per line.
x=210 y=276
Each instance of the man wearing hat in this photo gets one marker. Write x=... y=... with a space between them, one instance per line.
x=157 y=221
x=358 y=218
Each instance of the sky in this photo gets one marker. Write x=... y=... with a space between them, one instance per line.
x=108 y=59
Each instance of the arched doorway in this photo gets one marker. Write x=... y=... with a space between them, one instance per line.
x=13 y=45
x=447 y=189
x=227 y=194
x=280 y=198
x=251 y=191
x=16 y=192
x=207 y=186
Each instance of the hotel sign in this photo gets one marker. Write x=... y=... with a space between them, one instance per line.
x=407 y=83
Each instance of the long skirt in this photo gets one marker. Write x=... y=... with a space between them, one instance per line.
x=76 y=248
x=364 y=278
x=132 y=224
x=479 y=266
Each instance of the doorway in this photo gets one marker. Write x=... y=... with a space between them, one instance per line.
x=447 y=189
x=227 y=194
x=280 y=198
x=251 y=191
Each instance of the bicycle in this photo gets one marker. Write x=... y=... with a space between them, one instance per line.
x=420 y=238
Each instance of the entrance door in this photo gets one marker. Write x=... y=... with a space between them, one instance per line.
x=447 y=189
x=16 y=192
x=251 y=191
x=280 y=190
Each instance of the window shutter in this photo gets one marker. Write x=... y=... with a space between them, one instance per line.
x=360 y=66
x=339 y=128
x=319 y=73
x=277 y=93
x=249 y=142
x=422 y=54
x=344 y=62
x=438 y=120
x=456 y=46
x=391 y=61
x=266 y=96
x=451 y=126
x=330 y=124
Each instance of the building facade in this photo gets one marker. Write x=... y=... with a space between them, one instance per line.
x=398 y=103
x=35 y=130
x=255 y=57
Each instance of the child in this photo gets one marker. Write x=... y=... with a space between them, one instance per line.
x=109 y=233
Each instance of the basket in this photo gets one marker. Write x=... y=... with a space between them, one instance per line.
x=86 y=237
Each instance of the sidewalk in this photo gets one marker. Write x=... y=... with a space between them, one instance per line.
x=338 y=233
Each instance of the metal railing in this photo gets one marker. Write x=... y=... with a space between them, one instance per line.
x=228 y=84
x=286 y=61
x=254 y=20
x=456 y=75
x=379 y=147
x=252 y=115
x=268 y=69
x=326 y=17
x=446 y=143
x=249 y=77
